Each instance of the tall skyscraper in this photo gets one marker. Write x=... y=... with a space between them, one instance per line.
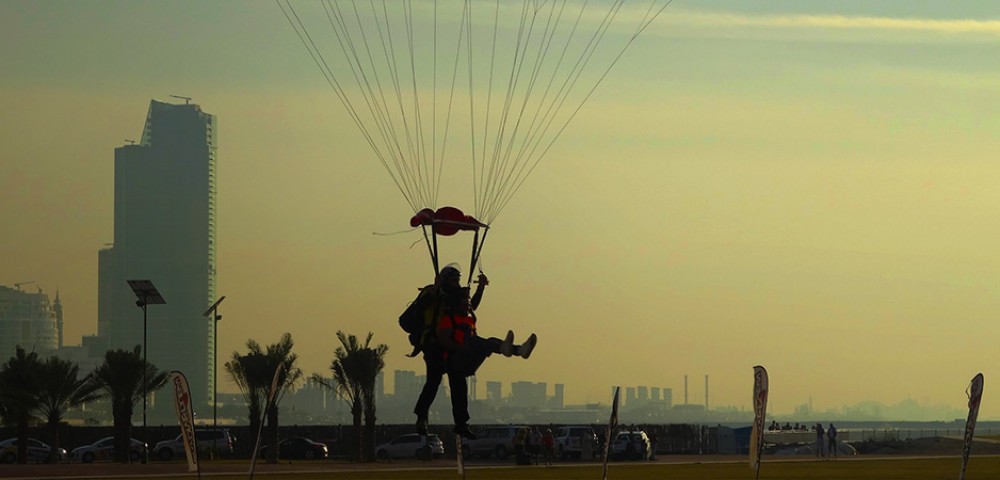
x=165 y=189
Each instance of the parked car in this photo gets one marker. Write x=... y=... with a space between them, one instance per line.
x=568 y=441
x=298 y=447
x=640 y=446
x=221 y=440
x=491 y=441
x=38 y=451
x=411 y=445
x=103 y=449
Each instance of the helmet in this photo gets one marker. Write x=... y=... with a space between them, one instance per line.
x=451 y=269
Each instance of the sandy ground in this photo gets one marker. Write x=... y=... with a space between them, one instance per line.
x=919 y=448
x=239 y=468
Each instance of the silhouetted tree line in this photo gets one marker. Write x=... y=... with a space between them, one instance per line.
x=36 y=392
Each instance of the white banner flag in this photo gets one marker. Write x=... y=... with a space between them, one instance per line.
x=185 y=417
x=975 y=393
x=760 y=412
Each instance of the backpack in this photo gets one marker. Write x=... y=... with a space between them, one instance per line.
x=417 y=321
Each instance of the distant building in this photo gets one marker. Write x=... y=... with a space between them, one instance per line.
x=29 y=320
x=380 y=387
x=407 y=384
x=164 y=231
x=314 y=398
x=89 y=355
x=493 y=393
x=527 y=394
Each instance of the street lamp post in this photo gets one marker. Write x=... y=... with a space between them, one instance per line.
x=214 y=310
x=147 y=295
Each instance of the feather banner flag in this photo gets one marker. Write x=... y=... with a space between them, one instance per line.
x=975 y=393
x=759 y=413
x=263 y=415
x=460 y=459
x=185 y=417
x=612 y=424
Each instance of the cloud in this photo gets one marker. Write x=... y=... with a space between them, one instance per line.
x=840 y=22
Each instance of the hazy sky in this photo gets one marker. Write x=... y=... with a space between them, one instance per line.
x=808 y=186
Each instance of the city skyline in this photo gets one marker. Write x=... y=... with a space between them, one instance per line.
x=807 y=187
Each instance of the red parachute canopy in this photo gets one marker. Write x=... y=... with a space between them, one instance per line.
x=446 y=221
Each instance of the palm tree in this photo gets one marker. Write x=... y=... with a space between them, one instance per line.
x=121 y=377
x=61 y=389
x=253 y=374
x=280 y=357
x=19 y=382
x=245 y=370
x=373 y=361
x=355 y=369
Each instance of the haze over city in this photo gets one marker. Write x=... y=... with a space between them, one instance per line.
x=804 y=186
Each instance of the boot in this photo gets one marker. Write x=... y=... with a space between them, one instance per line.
x=524 y=350
x=507 y=347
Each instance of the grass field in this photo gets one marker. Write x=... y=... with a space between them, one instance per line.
x=926 y=468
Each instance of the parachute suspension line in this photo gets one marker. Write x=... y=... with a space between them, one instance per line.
x=651 y=14
x=402 y=166
x=434 y=80
x=477 y=252
x=379 y=113
x=467 y=24
x=389 y=52
x=339 y=25
x=548 y=33
x=560 y=98
x=491 y=188
x=454 y=81
x=477 y=169
x=531 y=115
x=415 y=167
x=430 y=249
x=472 y=261
x=423 y=171
x=502 y=158
x=490 y=170
x=299 y=27
x=435 y=257
x=537 y=129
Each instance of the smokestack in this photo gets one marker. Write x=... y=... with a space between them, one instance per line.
x=685 y=389
x=706 y=392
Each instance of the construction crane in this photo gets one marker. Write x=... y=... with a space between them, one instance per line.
x=187 y=100
x=18 y=285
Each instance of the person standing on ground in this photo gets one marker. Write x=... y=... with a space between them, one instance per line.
x=652 y=446
x=587 y=447
x=819 y=440
x=548 y=441
x=831 y=434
